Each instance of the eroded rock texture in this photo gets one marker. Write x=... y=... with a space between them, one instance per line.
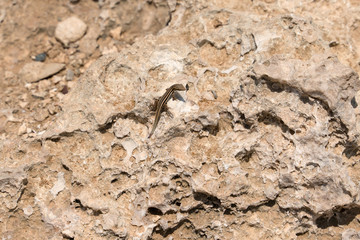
x=265 y=143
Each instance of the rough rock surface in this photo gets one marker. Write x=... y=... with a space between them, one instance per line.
x=263 y=145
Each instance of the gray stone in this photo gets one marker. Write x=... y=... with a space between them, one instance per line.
x=69 y=75
x=36 y=71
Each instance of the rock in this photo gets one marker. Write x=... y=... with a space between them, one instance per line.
x=263 y=145
x=271 y=137
x=40 y=57
x=69 y=75
x=36 y=71
x=64 y=90
x=70 y=30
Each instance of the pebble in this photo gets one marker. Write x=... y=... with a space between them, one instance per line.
x=40 y=57
x=70 y=30
x=69 y=75
x=36 y=71
x=65 y=90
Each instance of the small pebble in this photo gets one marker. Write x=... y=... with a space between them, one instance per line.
x=65 y=90
x=69 y=75
x=40 y=57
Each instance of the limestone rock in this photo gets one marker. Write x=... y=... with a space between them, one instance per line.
x=270 y=137
x=263 y=145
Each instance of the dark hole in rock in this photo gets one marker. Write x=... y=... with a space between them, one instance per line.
x=154 y=211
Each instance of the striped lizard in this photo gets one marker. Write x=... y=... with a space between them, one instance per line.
x=162 y=102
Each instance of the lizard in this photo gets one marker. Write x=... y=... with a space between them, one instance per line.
x=162 y=102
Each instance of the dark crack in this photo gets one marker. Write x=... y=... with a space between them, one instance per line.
x=112 y=120
x=351 y=149
x=275 y=86
x=269 y=118
x=154 y=211
x=341 y=215
x=94 y=212
x=166 y=232
x=207 y=199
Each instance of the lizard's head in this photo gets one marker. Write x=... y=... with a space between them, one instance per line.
x=179 y=87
